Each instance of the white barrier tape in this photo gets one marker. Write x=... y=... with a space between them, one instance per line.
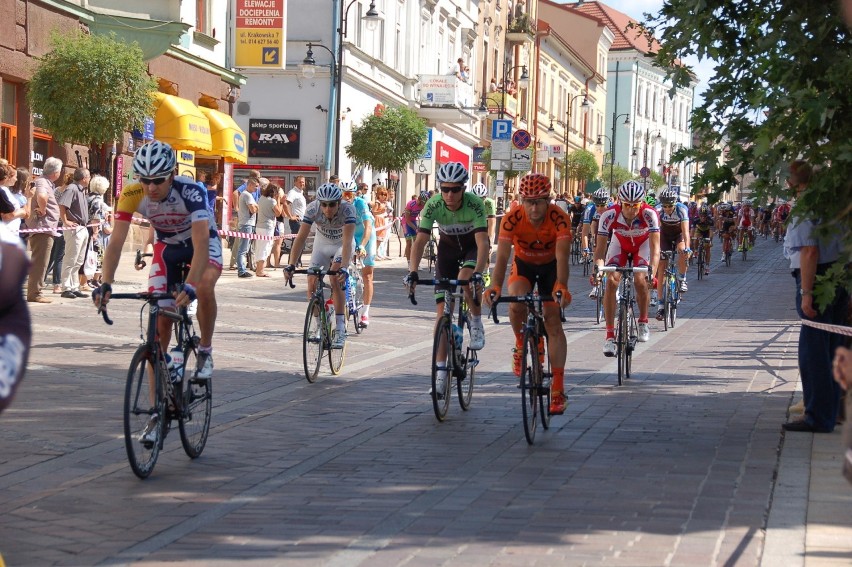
x=837 y=329
x=58 y=228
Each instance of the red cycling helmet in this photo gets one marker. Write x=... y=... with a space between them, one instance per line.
x=535 y=186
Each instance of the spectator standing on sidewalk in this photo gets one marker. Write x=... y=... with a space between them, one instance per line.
x=297 y=204
x=101 y=213
x=267 y=209
x=44 y=215
x=382 y=212
x=247 y=214
x=235 y=241
x=811 y=256
x=74 y=212
x=9 y=186
x=57 y=253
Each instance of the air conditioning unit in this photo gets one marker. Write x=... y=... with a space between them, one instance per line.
x=244 y=108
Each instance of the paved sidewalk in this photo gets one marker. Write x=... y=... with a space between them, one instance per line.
x=686 y=464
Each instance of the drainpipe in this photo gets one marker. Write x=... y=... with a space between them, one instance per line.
x=586 y=116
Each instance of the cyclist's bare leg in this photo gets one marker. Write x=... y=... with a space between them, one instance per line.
x=439 y=312
x=367 y=276
x=207 y=307
x=337 y=295
x=518 y=311
x=640 y=282
x=465 y=274
x=612 y=282
x=662 y=265
x=557 y=347
x=681 y=260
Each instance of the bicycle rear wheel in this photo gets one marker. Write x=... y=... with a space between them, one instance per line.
x=138 y=409
x=621 y=338
x=667 y=290
x=197 y=401
x=599 y=311
x=700 y=263
x=358 y=300
x=313 y=339
x=530 y=382
x=441 y=392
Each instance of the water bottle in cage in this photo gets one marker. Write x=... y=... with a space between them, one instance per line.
x=176 y=367
x=458 y=336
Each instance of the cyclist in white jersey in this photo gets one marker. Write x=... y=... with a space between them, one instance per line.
x=334 y=220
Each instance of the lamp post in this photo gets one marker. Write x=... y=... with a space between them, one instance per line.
x=308 y=67
x=615 y=118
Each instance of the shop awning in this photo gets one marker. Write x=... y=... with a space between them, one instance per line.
x=229 y=141
x=180 y=123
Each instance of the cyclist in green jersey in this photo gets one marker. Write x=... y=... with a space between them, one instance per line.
x=463 y=243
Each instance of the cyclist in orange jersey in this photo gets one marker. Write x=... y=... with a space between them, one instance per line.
x=541 y=235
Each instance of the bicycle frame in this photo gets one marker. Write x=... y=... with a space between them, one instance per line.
x=325 y=328
x=627 y=332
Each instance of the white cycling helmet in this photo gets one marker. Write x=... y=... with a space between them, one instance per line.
x=480 y=190
x=631 y=192
x=154 y=159
x=601 y=196
x=668 y=197
x=349 y=187
x=453 y=172
x=329 y=192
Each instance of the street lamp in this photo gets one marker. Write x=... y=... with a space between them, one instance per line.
x=615 y=118
x=308 y=67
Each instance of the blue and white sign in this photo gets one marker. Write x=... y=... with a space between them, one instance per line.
x=501 y=130
x=428 y=153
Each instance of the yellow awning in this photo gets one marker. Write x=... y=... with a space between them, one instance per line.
x=229 y=141
x=180 y=123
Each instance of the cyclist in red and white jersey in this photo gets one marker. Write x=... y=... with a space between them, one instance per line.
x=745 y=222
x=634 y=228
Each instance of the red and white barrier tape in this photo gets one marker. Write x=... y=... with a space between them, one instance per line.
x=252 y=236
x=837 y=329
x=58 y=228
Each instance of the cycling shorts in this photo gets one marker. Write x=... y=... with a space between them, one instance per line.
x=542 y=275
x=326 y=252
x=165 y=274
x=670 y=237
x=448 y=264
x=619 y=249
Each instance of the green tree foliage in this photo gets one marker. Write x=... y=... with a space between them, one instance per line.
x=619 y=173
x=389 y=141
x=781 y=91
x=90 y=89
x=581 y=165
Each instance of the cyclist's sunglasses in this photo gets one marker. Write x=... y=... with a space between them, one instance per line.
x=329 y=204
x=668 y=206
x=631 y=205
x=453 y=190
x=152 y=180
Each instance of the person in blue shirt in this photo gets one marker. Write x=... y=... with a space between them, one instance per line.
x=365 y=243
x=809 y=257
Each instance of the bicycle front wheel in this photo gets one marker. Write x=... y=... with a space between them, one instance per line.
x=599 y=306
x=667 y=292
x=313 y=339
x=674 y=298
x=335 y=355
x=700 y=263
x=464 y=384
x=139 y=407
x=632 y=339
x=621 y=339
x=441 y=383
x=197 y=401
x=530 y=383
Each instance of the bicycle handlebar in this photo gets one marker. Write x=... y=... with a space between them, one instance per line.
x=446 y=281
x=311 y=272
x=528 y=299
x=637 y=269
x=148 y=296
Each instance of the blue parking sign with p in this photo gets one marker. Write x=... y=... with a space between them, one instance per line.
x=501 y=130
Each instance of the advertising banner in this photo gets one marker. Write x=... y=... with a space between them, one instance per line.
x=274 y=138
x=438 y=90
x=260 y=37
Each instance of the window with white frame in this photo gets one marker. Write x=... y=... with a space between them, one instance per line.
x=203 y=17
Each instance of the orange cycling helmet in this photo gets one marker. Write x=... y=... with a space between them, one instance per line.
x=535 y=186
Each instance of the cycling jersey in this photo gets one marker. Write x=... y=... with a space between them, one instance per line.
x=490 y=207
x=576 y=211
x=535 y=244
x=457 y=228
x=673 y=219
x=628 y=237
x=412 y=216
x=330 y=228
x=781 y=212
x=703 y=228
x=745 y=217
x=363 y=213
x=592 y=213
x=172 y=217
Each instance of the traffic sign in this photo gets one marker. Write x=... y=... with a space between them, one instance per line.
x=428 y=153
x=423 y=166
x=501 y=130
x=521 y=139
x=645 y=172
x=501 y=149
x=521 y=160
